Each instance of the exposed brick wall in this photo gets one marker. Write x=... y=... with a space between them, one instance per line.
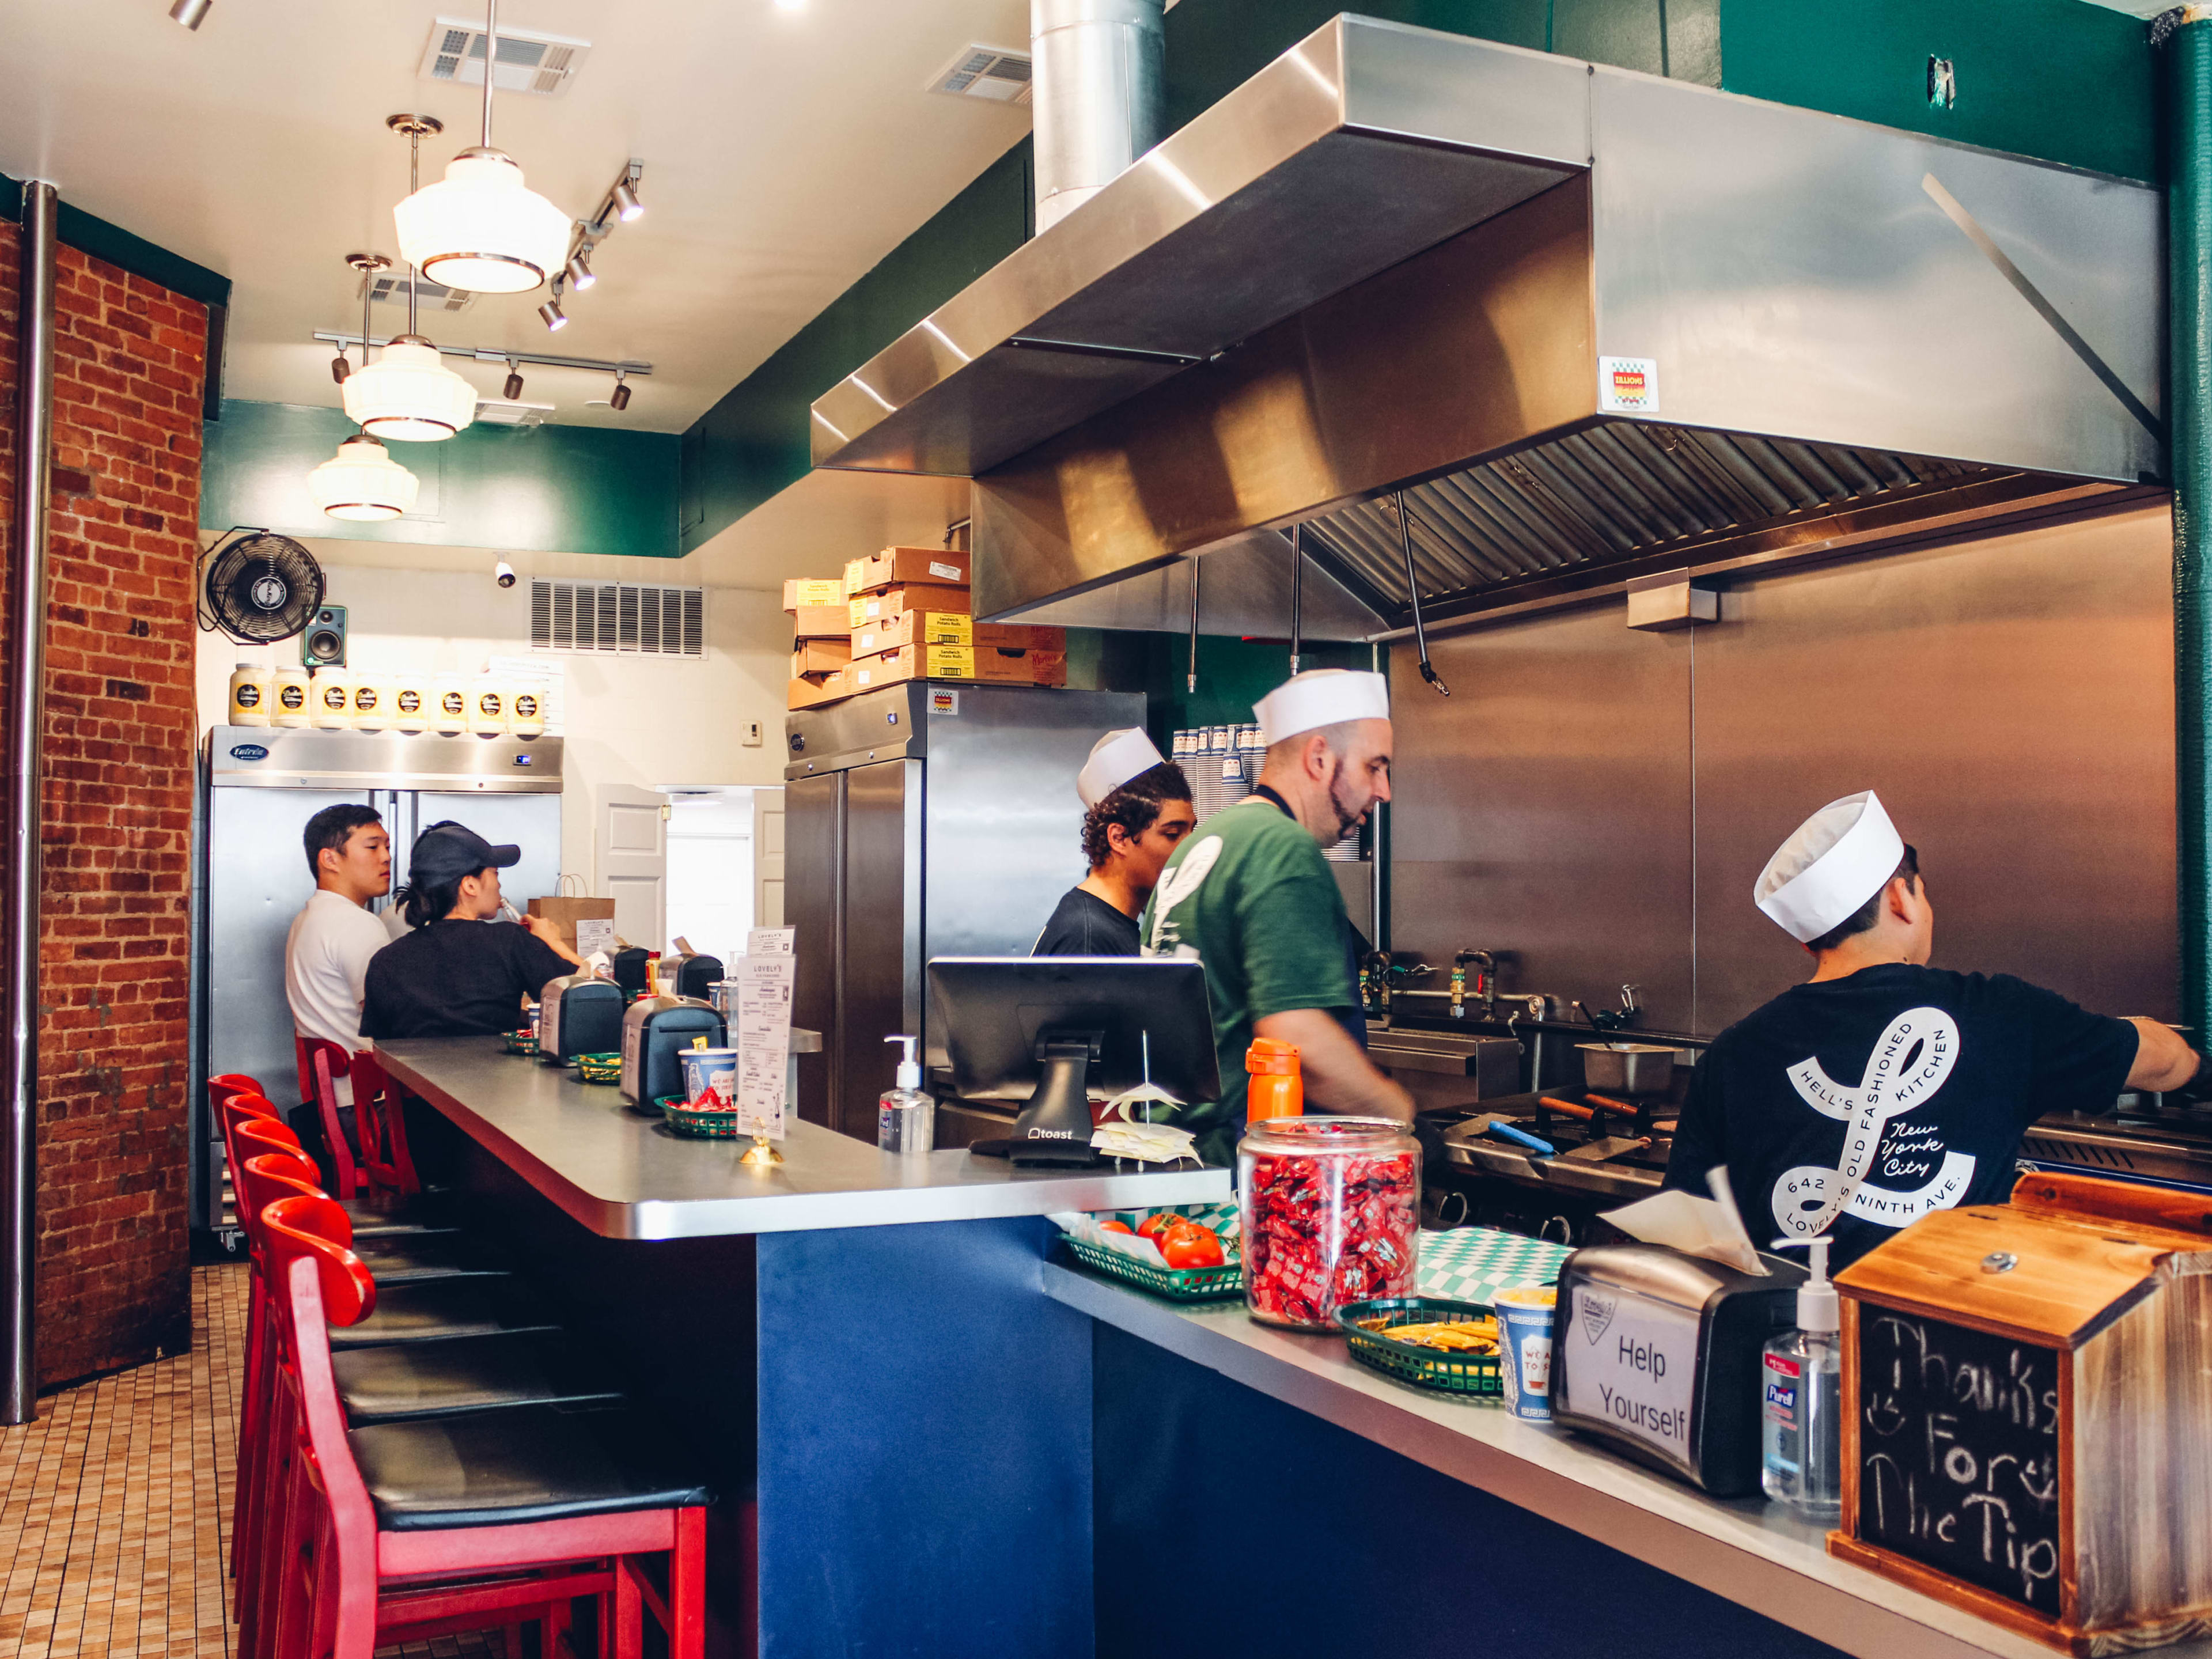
x=114 y=1279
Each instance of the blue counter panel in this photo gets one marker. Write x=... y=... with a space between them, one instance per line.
x=1229 y=1524
x=925 y=1460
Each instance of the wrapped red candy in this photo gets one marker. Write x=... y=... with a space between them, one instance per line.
x=1330 y=1208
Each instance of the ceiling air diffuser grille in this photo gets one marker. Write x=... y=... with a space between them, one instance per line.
x=627 y=617
x=997 y=73
x=530 y=60
x=391 y=287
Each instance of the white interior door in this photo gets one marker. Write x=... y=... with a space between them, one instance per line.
x=768 y=858
x=633 y=862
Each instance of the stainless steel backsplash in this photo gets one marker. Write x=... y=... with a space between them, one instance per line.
x=1598 y=801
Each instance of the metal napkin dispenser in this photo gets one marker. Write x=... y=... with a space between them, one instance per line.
x=578 y=1014
x=655 y=1032
x=1658 y=1353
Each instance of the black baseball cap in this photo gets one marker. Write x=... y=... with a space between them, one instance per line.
x=448 y=851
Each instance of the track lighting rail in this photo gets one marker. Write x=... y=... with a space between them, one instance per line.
x=635 y=371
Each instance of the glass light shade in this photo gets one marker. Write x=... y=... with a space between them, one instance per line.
x=409 y=394
x=480 y=228
x=362 y=482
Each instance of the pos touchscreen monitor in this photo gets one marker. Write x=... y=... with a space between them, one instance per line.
x=1057 y=1032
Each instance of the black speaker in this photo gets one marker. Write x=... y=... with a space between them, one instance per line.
x=322 y=642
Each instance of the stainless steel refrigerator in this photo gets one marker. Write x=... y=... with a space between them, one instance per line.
x=258 y=788
x=921 y=821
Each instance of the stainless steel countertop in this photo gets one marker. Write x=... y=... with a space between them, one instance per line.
x=1754 y=1553
x=627 y=1176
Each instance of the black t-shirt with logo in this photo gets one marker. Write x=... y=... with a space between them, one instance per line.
x=456 y=978
x=1854 y=1106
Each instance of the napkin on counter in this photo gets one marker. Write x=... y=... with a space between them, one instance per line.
x=1710 y=1227
x=1148 y=1143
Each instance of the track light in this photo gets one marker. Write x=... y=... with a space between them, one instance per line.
x=552 y=316
x=626 y=202
x=340 y=368
x=580 y=269
x=621 y=398
x=190 y=13
x=513 y=389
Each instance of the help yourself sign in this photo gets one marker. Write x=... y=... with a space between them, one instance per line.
x=1631 y=1362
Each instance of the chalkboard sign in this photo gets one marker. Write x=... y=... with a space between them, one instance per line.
x=1958 y=1453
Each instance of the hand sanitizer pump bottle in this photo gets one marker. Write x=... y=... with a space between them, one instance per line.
x=906 y=1117
x=1801 y=1382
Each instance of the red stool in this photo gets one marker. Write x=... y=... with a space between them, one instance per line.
x=381 y=1122
x=378 y=1524
x=321 y=1063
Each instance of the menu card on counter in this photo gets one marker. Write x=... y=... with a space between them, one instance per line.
x=761 y=1030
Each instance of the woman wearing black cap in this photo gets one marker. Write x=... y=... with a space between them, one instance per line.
x=456 y=972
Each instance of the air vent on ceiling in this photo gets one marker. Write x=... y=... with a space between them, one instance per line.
x=502 y=411
x=620 y=617
x=998 y=73
x=390 y=286
x=530 y=60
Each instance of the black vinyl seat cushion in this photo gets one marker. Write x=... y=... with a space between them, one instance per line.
x=403 y=1258
x=427 y=1212
x=539 y=1463
x=469 y=1374
x=440 y=1309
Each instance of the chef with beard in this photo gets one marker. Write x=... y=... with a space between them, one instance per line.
x=1249 y=894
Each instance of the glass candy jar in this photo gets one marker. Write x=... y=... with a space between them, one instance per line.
x=1330 y=1209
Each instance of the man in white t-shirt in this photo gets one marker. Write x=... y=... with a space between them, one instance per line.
x=326 y=954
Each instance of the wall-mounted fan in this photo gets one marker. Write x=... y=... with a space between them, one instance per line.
x=259 y=587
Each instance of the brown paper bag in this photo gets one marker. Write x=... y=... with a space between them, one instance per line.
x=565 y=912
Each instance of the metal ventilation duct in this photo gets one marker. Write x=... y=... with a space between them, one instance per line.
x=1589 y=320
x=1097 y=84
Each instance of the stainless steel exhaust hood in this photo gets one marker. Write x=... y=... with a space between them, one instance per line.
x=1592 y=323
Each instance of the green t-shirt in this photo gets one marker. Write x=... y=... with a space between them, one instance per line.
x=1249 y=894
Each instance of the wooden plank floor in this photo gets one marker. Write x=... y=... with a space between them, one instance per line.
x=115 y=1507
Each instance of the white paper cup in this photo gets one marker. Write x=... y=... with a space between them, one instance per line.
x=711 y=1071
x=1524 y=1347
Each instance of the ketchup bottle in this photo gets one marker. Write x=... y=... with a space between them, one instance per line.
x=1277 y=1089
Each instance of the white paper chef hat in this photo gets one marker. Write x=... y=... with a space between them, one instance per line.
x=1321 y=696
x=1114 y=759
x=1834 y=862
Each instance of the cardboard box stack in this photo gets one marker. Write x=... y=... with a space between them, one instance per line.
x=908 y=615
x=821 y=643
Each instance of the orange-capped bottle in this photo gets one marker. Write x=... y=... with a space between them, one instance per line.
x=1277 y=1089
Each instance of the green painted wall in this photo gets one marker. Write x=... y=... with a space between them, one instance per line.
x=2060 y=80
x=754 y=441
x=538 y=490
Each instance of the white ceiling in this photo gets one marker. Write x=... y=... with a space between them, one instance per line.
x=786 y=152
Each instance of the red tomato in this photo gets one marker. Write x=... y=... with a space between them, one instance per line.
x=1115 y=1227
x=1153 y=1226
x=1190 y=1245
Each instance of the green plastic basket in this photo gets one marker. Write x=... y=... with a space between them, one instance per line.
x=1411 y=1362
x=600 y=1068
x=700 y=1126
x=1177 y=1284
x=521 y=1042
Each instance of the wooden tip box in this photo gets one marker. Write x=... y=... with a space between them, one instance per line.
x=2028 y=1412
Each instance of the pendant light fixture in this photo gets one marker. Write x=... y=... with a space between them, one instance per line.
x=407 y=393
x=361 y=482
x=481 y=228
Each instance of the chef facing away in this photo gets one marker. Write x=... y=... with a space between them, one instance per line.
x=1882 y=1089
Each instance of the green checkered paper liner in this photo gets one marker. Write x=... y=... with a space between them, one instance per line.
x=1473 y=1264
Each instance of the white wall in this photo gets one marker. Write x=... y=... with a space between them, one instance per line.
x=638 y=720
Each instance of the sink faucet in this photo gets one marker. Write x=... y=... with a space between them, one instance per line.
x=1486 y=983
x=1374 y=985
x=1629 y=1013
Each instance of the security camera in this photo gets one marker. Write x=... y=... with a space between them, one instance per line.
x=505 y=574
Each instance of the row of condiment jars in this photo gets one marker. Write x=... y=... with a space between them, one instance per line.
x=360 y=700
